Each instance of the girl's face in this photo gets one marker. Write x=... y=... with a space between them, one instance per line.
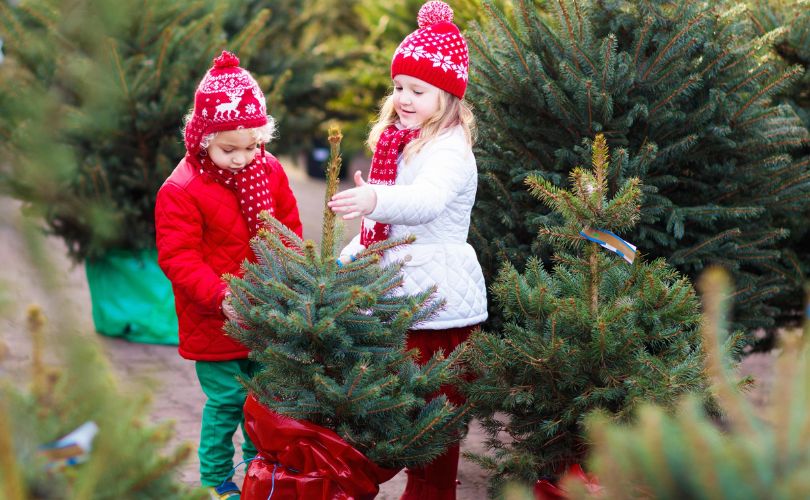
x=233 y=149
x=414 y=100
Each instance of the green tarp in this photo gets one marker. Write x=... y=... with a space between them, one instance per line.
x=132 y=298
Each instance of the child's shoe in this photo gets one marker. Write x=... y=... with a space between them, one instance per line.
x=225 y=491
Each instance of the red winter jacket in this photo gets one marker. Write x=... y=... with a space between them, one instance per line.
x=201 y=235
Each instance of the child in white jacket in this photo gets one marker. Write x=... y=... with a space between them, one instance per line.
x=422 y=182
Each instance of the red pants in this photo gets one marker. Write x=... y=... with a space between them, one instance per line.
x=437 y=480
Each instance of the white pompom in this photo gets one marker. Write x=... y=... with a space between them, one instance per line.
x=434 y=12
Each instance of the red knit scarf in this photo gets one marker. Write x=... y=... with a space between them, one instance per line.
x=384 y=171
x=251 y=185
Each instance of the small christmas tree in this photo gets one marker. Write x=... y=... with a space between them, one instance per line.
x=595 y=332
x=686 y=455
x=331 y=340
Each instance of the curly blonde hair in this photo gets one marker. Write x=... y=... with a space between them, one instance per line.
x=452 y=111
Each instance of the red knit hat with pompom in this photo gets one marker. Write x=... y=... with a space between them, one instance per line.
x=436 y=52
x=227 y=98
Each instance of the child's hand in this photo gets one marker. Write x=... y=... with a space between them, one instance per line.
x=354 y=202
x=227 y=308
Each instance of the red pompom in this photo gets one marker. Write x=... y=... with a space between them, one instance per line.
x=226 y=60
x=434 y=12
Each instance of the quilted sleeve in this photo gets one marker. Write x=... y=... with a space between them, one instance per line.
x=178 y=224
x=286 y=206
x=441 y=178
x=353 y=248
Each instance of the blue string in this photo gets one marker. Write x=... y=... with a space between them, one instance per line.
x=273 y=481
x=233 y=471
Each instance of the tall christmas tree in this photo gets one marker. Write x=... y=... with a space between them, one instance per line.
x=789 y=21
x=680 y=88
x=331 y=341
x=595 y=332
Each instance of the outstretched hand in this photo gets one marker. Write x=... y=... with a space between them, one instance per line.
x=355 y=202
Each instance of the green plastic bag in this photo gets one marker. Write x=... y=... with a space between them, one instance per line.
x=132 y=298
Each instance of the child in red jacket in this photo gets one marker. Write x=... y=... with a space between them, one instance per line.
x=206 y=214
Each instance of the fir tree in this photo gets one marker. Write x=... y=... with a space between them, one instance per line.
x=789 y=21
x=681 y=89
x=756 y=454
x=594 y=332
x=331 y=341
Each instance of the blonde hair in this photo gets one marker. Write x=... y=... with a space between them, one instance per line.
x=262 y=135
x=452 y=111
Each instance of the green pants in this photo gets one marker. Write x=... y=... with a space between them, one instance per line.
x=221 y=416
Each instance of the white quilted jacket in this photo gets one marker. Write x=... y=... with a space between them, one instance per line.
x=432 y=200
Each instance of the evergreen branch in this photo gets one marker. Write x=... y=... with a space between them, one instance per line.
x=13 y=478
x=672 y=42
x=363 y=369
x=715 y=62
x=766 y=89
x=508 y=33
x=534 y=362
x=246 y=36
x=648 y=21
x=689 y=82
x=729 y=233
x=768 y=114
x=569 y=28
x=196 y=27
x=590 y=105
x=609 y=48
x=362 y=262
x=332 y=180
x=744 y=58
x=374 y=390
x=429 y=427
x=674 y=67
x=484 y=56
x=388 y=408
x=764 y=71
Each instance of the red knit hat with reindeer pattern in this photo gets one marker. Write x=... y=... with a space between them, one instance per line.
x=227 y=98
x=436 y=52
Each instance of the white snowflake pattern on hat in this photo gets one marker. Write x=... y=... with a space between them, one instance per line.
x=413 y=51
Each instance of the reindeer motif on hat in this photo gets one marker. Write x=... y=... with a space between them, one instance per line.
x=228 y=110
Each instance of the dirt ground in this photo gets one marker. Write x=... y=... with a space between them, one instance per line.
x=177 y=395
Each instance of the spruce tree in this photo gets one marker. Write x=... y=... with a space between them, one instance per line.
x=331 y=342
x=593 y=332
x=678 y=87
x=757 y=453
x=790 y=21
